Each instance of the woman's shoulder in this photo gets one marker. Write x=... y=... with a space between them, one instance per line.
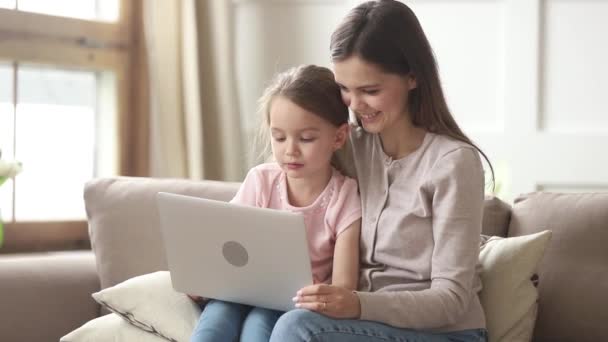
x=443 y=146
x=447 y=153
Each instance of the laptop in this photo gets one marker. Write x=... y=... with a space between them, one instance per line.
x=235 y=253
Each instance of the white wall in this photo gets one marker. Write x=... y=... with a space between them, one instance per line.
x=526 y=79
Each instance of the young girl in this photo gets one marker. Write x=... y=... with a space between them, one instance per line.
x=422 y=189
x=307 y=122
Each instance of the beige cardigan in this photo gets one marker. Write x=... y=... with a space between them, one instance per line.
x=420 y=234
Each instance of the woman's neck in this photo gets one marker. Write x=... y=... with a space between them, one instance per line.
x=401 y=139
x=302 y=192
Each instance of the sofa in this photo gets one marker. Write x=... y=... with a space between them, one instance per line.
x=45 y=296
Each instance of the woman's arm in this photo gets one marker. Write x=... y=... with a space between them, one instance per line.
x=456 y=186
x=345 y=271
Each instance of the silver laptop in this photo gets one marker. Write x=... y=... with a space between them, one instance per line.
x=235 y=253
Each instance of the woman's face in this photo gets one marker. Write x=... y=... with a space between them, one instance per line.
x=377 y=98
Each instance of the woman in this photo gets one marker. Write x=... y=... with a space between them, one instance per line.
x=422 y=187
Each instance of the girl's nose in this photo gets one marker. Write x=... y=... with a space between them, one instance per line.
x=292 y=148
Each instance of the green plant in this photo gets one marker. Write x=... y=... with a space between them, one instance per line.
x=8 y=169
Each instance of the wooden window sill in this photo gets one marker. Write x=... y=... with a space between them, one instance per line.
x=25 y=237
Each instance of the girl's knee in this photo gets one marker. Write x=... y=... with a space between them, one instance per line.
x=261 y=315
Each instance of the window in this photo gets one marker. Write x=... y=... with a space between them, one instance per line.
x=64 y=95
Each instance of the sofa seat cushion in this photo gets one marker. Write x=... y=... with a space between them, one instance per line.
x=573 y=275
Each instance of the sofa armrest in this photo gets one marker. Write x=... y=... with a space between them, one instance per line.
x=45 y=296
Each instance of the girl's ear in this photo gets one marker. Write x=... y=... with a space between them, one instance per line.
x=341 y=136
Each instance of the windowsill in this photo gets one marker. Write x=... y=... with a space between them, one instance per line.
x=29 y=237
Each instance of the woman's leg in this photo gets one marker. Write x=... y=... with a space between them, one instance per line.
x=258 y=324
x=220 y=321
x=303 y=325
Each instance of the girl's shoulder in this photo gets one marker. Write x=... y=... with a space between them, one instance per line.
x=344 y=185
x=266 y=172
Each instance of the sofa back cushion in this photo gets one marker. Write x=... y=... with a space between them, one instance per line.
x=496 y=217
x=124 y=224
x=573 y=275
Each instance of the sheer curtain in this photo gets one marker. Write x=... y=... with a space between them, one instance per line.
x=195 y=127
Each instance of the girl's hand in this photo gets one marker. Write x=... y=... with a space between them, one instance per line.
x=332 y=301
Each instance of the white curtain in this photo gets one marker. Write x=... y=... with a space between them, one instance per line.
x=195 y=126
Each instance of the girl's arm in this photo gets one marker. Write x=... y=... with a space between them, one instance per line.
x=345 y=271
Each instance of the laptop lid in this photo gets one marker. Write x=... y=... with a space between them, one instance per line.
x=235 y=253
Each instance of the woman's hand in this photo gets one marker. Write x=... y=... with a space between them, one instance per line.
x=332 y=301
x=196 y=299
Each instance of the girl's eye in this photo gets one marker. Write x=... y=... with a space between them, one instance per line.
x=279 y=139
x=371 y=92
x=307 y=139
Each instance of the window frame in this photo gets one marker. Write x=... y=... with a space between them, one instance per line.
x=75 y=43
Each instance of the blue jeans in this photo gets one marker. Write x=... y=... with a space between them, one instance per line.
x=303 y=325
x=224 y=321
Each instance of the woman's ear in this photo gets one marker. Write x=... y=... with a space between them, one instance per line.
x=341 y=136
x=411 y=82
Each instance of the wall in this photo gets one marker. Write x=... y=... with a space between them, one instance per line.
x=524 y=78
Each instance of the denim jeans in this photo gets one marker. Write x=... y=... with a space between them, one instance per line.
x=224 y=321
x=307 y=326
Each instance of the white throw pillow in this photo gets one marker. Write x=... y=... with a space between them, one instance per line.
x=508 y=295
x=110 y=328
x=150 y=303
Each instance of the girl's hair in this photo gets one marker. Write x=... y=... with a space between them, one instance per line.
x=313 y=88
x=387 y=34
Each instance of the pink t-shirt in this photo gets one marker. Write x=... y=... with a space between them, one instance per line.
x=336 y=208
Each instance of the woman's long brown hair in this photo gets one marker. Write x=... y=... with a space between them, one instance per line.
x=387 y=34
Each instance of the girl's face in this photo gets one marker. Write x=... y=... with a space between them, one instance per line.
x=302 y=142
x=377 y=98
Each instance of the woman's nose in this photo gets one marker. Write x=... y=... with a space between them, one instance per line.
x=356 y=104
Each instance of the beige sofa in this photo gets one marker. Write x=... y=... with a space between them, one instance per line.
x=43 y=297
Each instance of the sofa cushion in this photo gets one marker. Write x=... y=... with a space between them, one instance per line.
x=508 y=295
x=124 y=223
x=573 y=276
x=150 y=303
x=496 y=216
x=110 y=328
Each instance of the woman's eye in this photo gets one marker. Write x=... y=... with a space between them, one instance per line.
x=279 y=139
x=307 y=139
x=372 y=92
